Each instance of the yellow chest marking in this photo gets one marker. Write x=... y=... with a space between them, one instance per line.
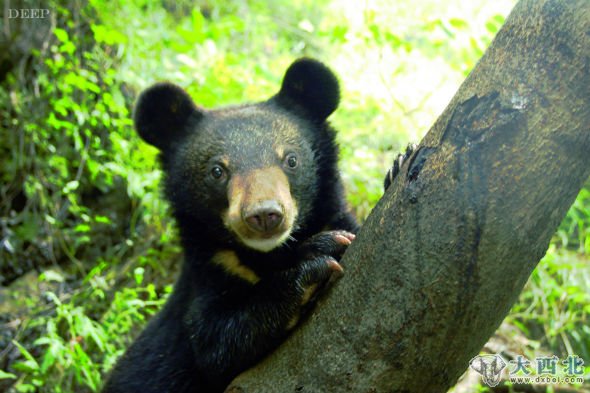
x=231 y=263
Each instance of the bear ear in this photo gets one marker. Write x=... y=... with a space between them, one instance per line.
x=162 y=113
x=311 y=85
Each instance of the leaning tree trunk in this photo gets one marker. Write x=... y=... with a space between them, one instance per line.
x=447 y=250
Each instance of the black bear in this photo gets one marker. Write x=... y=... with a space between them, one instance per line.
x=258 y=199
x=259 y=203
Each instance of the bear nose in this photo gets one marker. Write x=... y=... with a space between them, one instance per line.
x=264 y=217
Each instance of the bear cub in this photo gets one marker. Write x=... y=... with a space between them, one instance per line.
x=260 y=207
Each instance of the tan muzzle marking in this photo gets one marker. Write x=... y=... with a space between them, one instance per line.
x=255 y=187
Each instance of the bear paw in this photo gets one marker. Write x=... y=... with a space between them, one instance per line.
x=328 y=243
x=320 y=255
x=318 y=267
x=397 y=164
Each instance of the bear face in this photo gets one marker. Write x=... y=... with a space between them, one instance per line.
x=249 y=173
x=251 y=182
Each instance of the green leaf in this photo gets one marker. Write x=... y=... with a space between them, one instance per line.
x=61 y=35
x=458 y=23
x=71 y=186
x=82 y=228
x=108 y=36
x=51 y=275
x=49 y=358
x=68 y=47
x=25 y=353
x=102 y=219
x=138 y=274
x=25 y=388
x=5 y=375
x=28 y=366
x=492 y=27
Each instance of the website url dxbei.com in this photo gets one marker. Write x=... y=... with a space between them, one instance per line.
x=545 y=380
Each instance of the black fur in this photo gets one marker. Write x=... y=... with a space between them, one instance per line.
x=215 y=324
x=165 y=110
x=312 y=86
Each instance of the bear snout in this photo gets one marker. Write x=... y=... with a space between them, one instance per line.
x=261 y=210
x=264 y=217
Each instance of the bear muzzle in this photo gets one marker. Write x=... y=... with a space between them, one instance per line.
x=261 y=209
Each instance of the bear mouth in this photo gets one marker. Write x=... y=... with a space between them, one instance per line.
x=261 y=241
x=265 y=243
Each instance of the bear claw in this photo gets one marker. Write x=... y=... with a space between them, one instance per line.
x=397 y=165
x=342 y=239
x=335 y=266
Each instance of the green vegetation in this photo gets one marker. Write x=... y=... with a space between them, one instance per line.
x=88 y=250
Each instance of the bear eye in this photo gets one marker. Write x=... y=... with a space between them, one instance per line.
x=291 y=160
x=217 y=172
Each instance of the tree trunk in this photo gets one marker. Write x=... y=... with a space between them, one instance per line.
x=449 y=247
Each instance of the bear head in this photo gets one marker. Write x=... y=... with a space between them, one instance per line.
x=256 y=175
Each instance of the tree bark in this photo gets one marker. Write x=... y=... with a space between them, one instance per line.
x=447 y=250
